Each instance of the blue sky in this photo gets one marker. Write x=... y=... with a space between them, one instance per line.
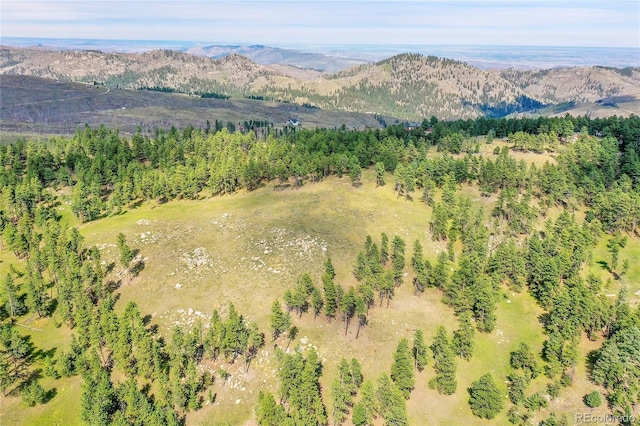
x=294 y=23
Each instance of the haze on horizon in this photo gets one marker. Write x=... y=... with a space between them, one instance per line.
x=295 y=23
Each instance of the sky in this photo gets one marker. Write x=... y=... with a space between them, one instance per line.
x=596 y=23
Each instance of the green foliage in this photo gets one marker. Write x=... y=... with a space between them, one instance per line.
x=419 y=350
x=299 y=387
x=279 y=320
x=617 y=366
x=536 y=402
x=33 y=393
x=402 y=368
x=391 y=402
x=445 y=365
x=106 y=173
x=524 y=359
x=485 y=398
x=593 y=399
x=462 y=342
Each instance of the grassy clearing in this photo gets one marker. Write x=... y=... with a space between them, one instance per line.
x=601 y=261
x=257 y=243
x=248 y=248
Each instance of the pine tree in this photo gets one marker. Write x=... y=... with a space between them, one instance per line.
x=397 y=259
x=524 y=359
x=10 y=296
x=369 y=401
x=393 y=406
x=329 y=269
x=317 y=302
x=126 y=254
x=279 y=320
x=419 y=350
x=463 y=337
x=402 y=368
x=348 y=307
x=485 y=398
x=269 y=413
x=341 y=398
x=445 y=366
x=330 y=295
x=380 y=170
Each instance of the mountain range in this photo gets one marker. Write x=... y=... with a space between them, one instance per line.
x=406 y=86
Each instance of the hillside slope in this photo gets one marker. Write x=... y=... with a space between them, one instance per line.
x=33 y=104
x=407 y=86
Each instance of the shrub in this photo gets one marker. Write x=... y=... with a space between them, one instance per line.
x=593 y=399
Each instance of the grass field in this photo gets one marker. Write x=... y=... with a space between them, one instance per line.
x=248 y=248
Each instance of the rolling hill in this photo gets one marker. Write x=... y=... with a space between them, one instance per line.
x=407 y=86
x=37 y=105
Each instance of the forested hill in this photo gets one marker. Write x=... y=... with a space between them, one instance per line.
x=482 y=270
x=407 y=86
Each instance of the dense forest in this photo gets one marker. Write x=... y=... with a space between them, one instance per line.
x=100 y=173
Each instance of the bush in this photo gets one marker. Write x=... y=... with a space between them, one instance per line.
x=536 y=402
x=593 y=399
x=553 y=389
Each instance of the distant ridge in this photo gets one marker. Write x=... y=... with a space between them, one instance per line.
x=407 y=86
x=272 y=55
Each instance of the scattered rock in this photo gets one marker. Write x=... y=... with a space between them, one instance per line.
x=143 y=222
x=199 y=258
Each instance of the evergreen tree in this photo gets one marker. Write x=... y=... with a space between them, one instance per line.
x=402 y=368
x=397 y=259
x=10 y=296
x=279 y=320
x=269 y=413
x=330 y=295
x=98 y=399
x=391 y=402
x=445 y=366
x=463 y=337
x=419 y=350
x=380 y=170
x=485 y=398
x=524 y=359
x=341 y=398
x=126 y=254
x=369 y=401
x=33 y=393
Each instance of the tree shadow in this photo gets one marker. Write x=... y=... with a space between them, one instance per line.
x=39 y=354
x=146 y=319
x=49 y=395
x=604 y=265
x=137 y=268
x=110 y=267
x=135 y=204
